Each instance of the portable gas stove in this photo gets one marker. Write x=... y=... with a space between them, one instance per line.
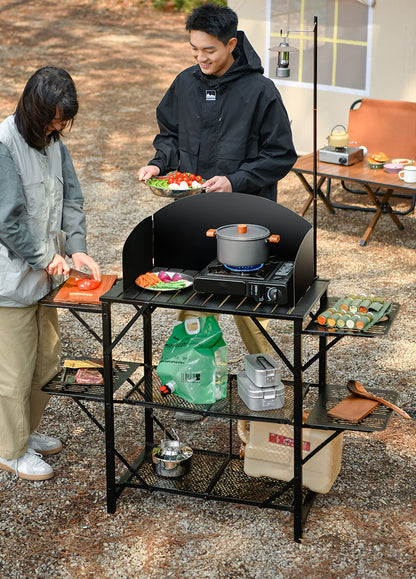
x=270 y=282
x=341 y=155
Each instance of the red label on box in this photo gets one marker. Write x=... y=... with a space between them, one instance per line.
x=287 y=441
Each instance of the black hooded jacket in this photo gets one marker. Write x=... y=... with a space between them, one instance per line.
x=234 y=125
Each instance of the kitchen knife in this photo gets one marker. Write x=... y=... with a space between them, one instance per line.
x=77 y=273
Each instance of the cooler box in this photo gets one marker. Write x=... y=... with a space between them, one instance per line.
x=269 y=452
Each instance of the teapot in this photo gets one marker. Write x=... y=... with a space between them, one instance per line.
x=339 y=137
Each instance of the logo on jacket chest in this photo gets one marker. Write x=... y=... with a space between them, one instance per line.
x=210 y=95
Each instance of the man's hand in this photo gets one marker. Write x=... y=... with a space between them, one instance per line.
x=218 y=183
x=148 y=172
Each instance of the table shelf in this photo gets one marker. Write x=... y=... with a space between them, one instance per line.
x=60 y=384
x=216 y=476
x=230 y=407
x=233 y=407
x=381 y=328
x=331 y=395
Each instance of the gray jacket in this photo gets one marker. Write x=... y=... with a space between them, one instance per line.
x=40 y=215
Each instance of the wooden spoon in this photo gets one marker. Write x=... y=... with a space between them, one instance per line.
x=359 y=390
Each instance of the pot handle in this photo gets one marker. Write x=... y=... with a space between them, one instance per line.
x=242 y=430
x=274 y=239
x=211 y=233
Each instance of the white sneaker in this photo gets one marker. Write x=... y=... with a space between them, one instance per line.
x=44 y=444
x=29 y=466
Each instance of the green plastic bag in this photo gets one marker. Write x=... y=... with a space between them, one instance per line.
x=194 y=361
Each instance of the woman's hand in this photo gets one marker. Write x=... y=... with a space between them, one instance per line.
x=148 y=172
x=58 y=266
x=80 y=259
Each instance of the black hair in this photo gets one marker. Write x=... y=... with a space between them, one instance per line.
x=48 y=92
x=217 y=21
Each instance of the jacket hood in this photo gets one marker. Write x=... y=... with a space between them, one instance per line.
x=246 y=58
x=246 y=61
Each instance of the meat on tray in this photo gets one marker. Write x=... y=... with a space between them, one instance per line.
x=88 y=376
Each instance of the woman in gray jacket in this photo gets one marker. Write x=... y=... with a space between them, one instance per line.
x=41 y=221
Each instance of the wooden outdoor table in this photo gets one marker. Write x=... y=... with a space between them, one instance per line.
x=360 y=173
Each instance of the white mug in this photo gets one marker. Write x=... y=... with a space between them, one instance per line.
x=408 y=174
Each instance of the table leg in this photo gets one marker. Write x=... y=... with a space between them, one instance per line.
x=148 y=376
x=109 y=410
x=323 y=365
x=320 y=193
x=382 y=206
x=297 y=431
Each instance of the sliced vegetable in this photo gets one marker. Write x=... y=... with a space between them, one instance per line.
x=161 y=280
x=163 y=276
x=171 y=284
x=148 y=279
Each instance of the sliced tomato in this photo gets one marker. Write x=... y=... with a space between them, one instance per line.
x=86 y=285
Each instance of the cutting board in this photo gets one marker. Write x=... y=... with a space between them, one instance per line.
x=353 y=408
x=69 y=293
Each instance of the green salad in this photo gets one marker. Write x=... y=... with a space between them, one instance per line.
x=159 y=183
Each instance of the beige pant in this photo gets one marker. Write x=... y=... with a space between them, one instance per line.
x=30 y=355
x=252 y=337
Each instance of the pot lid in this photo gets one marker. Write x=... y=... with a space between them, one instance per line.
x=242 y=232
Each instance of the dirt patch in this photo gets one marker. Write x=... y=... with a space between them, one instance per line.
x=123 y=55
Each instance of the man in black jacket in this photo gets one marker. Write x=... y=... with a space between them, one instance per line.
x=224 y=120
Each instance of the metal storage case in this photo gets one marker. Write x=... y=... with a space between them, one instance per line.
x=262 y=369
x=258 y=397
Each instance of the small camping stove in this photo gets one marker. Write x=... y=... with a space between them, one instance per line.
x=341 y=155
x=270 y=282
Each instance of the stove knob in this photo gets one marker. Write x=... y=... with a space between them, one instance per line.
x=342 y=160
x=272 y=294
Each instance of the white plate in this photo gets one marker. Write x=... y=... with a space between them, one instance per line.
x=402 y=161
x=189 y=280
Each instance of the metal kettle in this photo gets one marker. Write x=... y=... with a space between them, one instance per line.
x=339 y=137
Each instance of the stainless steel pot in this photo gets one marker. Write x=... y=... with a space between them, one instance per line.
x=242 y=245
x=171 y=459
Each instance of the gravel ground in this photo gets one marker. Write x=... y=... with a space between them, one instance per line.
x=123 y=56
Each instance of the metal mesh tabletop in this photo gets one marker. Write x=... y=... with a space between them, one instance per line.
x=332 y=395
